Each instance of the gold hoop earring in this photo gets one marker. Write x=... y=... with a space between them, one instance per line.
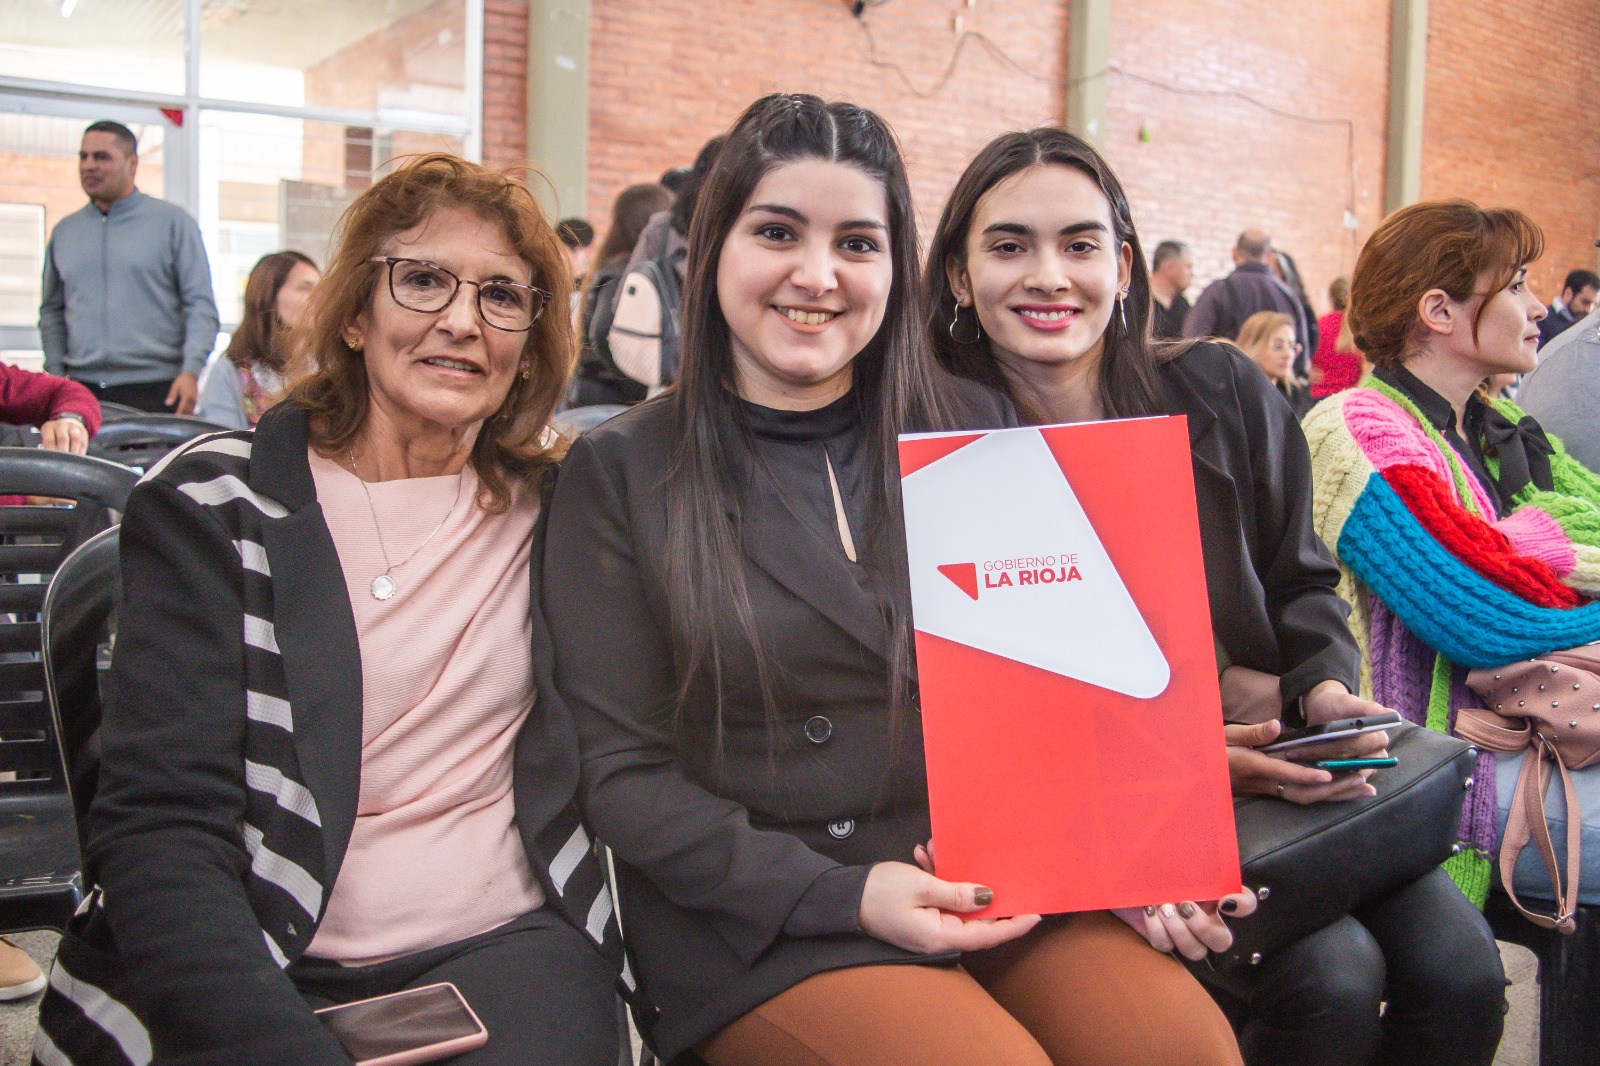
x=977 y=328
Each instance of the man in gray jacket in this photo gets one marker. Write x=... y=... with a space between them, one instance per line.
x=1563 y=392
x=1226 y=303
x=127 y=307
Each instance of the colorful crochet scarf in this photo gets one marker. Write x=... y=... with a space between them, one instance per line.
x=1416 y=532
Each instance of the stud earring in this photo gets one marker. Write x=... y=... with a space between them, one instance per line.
x=527 y=371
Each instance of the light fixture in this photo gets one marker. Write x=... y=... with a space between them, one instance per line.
x=67 y=7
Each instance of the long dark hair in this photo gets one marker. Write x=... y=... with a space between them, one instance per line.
x=1128 y=385
x=896 y=386
x=259 y=338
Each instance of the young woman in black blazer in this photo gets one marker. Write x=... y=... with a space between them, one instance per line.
x=724 y=580
x=1037 y=287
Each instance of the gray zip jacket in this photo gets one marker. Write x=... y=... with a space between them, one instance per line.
x=127 y=294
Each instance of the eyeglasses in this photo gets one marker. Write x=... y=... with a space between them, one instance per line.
x=418 y=285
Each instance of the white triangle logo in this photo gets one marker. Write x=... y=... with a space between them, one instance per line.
x=1003 y=504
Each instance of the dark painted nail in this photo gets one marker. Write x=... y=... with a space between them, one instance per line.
x=1150 y=911
x=1186 y=910
x=1228 y=906
x=983 y=896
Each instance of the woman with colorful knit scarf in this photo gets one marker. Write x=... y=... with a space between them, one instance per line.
x=1468 y=537
x=1037 y=287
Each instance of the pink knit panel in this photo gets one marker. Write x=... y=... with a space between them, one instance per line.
x=1534 y=533
x=1389 y=436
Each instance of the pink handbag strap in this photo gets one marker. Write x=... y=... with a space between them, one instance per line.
x=1527 y=820
x=1493 y=732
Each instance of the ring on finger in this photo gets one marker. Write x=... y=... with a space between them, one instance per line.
x=1280 y=791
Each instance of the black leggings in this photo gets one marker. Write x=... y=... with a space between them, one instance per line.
x=1425 y=949
x=538 y=985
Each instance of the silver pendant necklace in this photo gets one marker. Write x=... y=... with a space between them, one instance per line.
x=383 y=586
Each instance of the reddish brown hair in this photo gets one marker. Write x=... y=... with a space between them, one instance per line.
x=1452 y=245
x=513 y=441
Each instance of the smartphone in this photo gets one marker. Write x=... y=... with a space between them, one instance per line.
x=1338 y=730
x=1349 y=765
x=406 y=1028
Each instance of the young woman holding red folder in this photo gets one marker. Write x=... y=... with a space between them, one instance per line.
x=752 y=757
x=1037 y=287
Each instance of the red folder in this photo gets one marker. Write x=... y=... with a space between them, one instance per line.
x=1070 y=711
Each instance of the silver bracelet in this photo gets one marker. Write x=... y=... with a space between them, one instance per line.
x=71 y=416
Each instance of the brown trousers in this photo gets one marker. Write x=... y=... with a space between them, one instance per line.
x=1080 y=990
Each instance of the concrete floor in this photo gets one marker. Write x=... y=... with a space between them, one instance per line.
x=1519 y=1047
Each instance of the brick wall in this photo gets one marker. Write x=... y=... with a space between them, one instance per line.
x=1212 y=164
x=505 y=81
x=1509 y=119
x=1505 y=118
x=667 y=74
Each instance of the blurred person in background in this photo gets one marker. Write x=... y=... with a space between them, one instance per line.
x=1336 y=365
x=66 y=413
x=239 y=386
x=1267 y=337
x=1563 y=392
x=666 y=235
x=1171 y=270
x=127 y=307
x=1285 y=270
x=577 y=240
x=1577 y=299
x=1227 y=302
x=598 y=381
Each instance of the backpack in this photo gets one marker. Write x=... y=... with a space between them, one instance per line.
x=646 y=322
x=597 y=369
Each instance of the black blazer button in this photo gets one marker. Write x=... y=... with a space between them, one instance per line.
x=818 y=730
x=842 y=828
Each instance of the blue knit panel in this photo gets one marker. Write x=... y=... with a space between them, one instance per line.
x=1448 y=605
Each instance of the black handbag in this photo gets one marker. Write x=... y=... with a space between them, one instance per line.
x=1310 y=865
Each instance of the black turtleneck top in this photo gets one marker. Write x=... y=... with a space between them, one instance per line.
x=798 y=447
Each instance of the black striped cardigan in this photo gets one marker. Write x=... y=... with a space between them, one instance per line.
x=219 y=882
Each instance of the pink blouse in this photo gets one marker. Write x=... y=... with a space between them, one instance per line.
x=447 y=680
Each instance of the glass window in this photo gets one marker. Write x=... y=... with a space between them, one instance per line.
x=112 y=44
x=405 y=60
x=21 y=260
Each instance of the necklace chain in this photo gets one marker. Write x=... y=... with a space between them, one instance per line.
x=383 y=586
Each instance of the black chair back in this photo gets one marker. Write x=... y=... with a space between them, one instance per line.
x=80 y=623
x=39 y=882
x=117 y=412
x=142 y=440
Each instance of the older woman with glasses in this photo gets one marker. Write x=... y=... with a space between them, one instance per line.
x=327 y=773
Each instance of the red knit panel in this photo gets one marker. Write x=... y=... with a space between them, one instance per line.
x=1474 y=541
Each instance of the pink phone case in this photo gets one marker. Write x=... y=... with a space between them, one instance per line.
x=426 y=1053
